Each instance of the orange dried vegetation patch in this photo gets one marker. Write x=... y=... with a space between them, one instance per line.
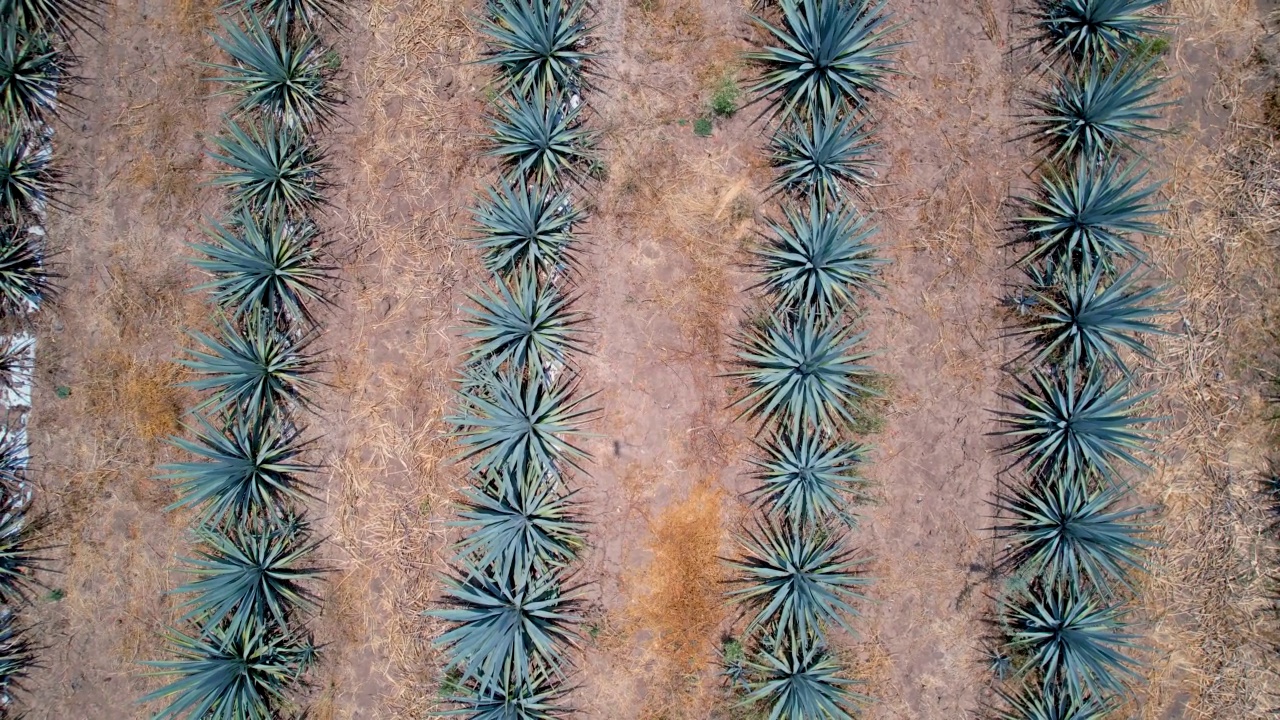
x=140 y=398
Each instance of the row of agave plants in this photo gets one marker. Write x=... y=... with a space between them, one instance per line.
x=801 y=361
x=1073 y=532
x=509 y=601
x=35 y=64
x=242 y=646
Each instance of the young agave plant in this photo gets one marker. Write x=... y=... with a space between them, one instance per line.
x=250 y=470
x=537 y=698
x=26 y=175
x=819 y=261
x=523 y=224
x=508 y=630
x=819 y=156
x=240 y=675
x=263 y=266
x=48 y=16
x=24 y=281
x=1073 y=640
x=538 y=44
x=519 y=522
x=1053 y=703
x=1083 y=218
x=258 y=372
x=795 y=677
x=807 y=480
x=17 y=654
x=803 y=372
x=31 y=70
x=515 y=422
x=251 y=574
x=1100 y=108
x=832 y=53
x=540 y=137
x=20 y=550
x=1087 y=324
x=1065 y=532
x=274 y=170
x=1072 y=424
x=289 y=14
x=1093 y=31
x=526 y=323
x=276 y=72
x=797 y=578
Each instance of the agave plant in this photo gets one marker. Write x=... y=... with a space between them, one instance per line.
x=259 y=371
x=226 y=675
x=1053 y=703
x=508 y=630
x=519 y=522
x=538 y=44
x=539 y=136
x=1099 y=108
x=535 y=698
x=805 y=479
x=31 y=70
x=527 y=323
x=819 y=156
x=832 y=53
x=48 y=16
x=1086 y=324
x=524 y=224
x=821 y=260
x=20 y=551
x=796 y=677
x=249 y=470
x=17 y=363
x=17 y=653
x=803 y=371
x=15 y=455
x=24 y=281
x=519 y=422
x=797 y=578
x=1083 y=217
x=276 y=72
x=1072 y=424
x=1095 y=30
x=265 y=266
x=1072 y=638
x=289 y=13
x=1065 y=532
x=273 y=169
x=250 y=574
x=26 y=175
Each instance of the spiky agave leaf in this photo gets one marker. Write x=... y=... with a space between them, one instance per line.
x=1087 y=323
x=48 y=16
x=31 y=70
x=15 y=456
x=289 y=13
x=1073 y=638
x=1064 y=531
x=803 y=371
x=276 y=72
x=17 y=654
x=263 y=265
x=819 y=260
x=527 y=323
x=536 y=698
x=538 y=44
x=251 y=469
x=1099 y=108
x=507 y=629
x=524 y=224
x=1072 y=424
x=20 y=548
x=250 y=573
x=539 y=136
x=1084 y=217
x=225 y=675
x=797 y=578
x=820 y=156
x=273 y=169
x=807 y=479
x=258 y=371
x=1052 y=703
x=796 y=678
x=26 y=175
x=832 y=53
x=1094 y=30
x=519 y=522
x=24 y=281
x=519 y=422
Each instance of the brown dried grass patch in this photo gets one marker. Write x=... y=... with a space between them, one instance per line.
x=140 y=397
